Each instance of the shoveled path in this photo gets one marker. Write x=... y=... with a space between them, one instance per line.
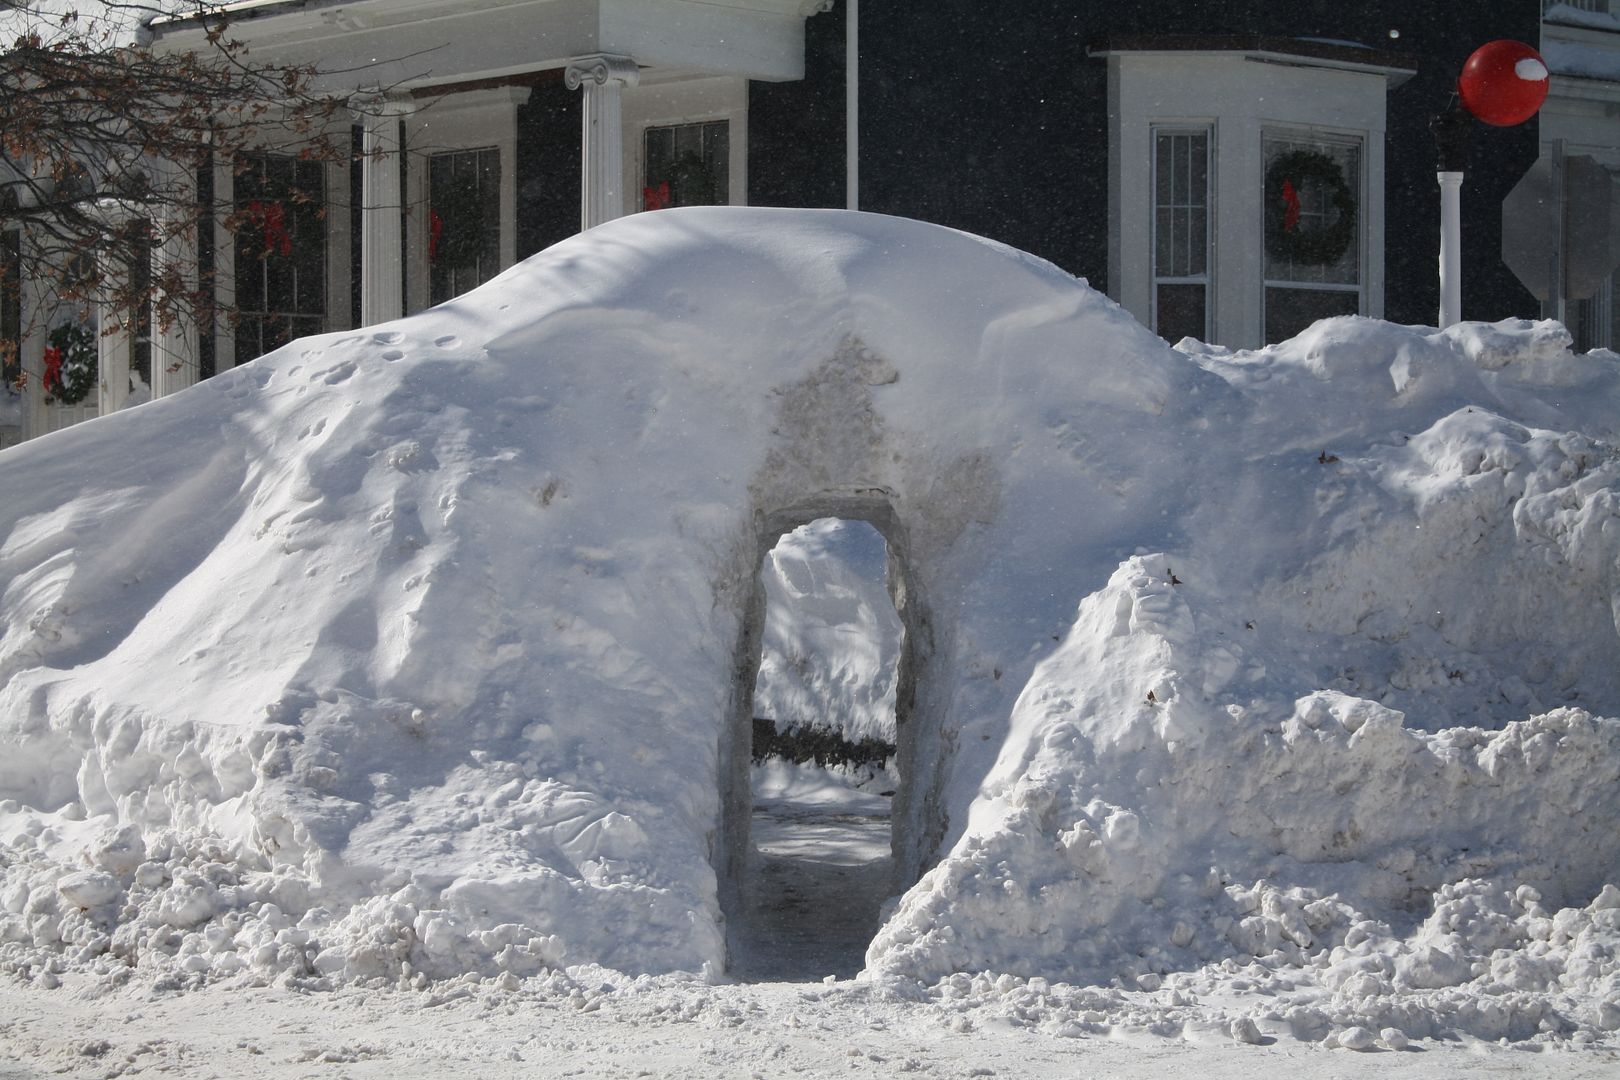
x=812 y=894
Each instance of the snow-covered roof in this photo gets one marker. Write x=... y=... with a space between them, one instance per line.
x=1344 y=55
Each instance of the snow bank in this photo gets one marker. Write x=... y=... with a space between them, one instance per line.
x=1362 y=694
x=428 y=649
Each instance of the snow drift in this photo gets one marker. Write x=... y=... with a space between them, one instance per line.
x=431 y=647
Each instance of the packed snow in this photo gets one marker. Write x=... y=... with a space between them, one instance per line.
x=1245 y=696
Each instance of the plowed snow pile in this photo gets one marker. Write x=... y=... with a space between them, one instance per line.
x=1254 y=692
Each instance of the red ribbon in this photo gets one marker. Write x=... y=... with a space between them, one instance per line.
x=271 y=220
x=656 y=198
x=1290 y=206
x=53 y=367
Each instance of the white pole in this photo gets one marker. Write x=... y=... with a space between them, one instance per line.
x=382 y=255
x=601 y=79
x=852 y=104
x=1450 y=248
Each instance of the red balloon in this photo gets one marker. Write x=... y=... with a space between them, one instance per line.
x=1503 y=83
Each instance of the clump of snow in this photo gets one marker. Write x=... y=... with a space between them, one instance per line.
x=1570 y=15
x=1583 y=61
x=1266 y=690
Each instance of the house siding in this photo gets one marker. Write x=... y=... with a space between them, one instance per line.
x=994 y=119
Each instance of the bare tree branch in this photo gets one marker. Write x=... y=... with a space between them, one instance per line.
x=103 y=140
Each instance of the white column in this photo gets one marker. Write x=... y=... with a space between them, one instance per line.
x=174 y=260
x=382 y=251
x=112 y=355
x=223 y=328
x=1450 y=248
x=601 y=195
x=37 y=300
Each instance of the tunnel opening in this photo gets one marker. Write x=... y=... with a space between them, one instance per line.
x=828 y=702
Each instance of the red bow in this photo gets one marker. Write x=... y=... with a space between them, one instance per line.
x=271 y=219
x=1290 y=206
x=656 y=198
x=53 y=366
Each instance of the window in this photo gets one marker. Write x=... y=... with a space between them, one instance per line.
x=280 y=252
x=10 y=307
x=1181 y=177
x=1591 y=321
x=1312 y=215
x=140 y=342
x=464 y=221
x=687 y=165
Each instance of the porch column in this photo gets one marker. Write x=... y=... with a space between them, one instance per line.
x=174 y=263
x=382 y=247
x=112 y=354
x=601 y=194
x=38 y=300
x=113 y=325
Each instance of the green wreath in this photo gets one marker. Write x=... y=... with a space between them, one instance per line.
x=71 y=366
x=1307 y=247
x=456 y=225
x=693 y=182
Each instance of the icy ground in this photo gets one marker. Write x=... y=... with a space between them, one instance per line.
x=597 y=1024
x=821 y=872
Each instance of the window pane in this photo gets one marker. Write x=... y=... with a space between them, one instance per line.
x=1288 y=311
x=687 y=165
x=10 y=306
x=464 y=221
x=1198 y=229
x=1180 y=312
x=1164 y=148
x=280 y=251
x=1312 y=211
x=1181 y=233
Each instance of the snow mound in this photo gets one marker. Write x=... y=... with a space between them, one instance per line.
x=427 y=649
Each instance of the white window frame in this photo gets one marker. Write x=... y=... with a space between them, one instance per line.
x=466 y=120
x=1319 y=137
x=691 y=101
x=502 y=260
x=338 y=268
x=1207 y=278
x=1238 y=96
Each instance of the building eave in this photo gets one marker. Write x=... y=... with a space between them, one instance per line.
x=1298 y=52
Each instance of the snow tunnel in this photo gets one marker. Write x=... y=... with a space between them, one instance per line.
x=806 y=858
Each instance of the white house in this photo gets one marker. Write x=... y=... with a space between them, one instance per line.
x=1131 y=144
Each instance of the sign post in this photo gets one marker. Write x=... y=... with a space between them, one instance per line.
x=1561 y=228
x=1503 y=83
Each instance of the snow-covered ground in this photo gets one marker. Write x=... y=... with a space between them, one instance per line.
x=1256 y=698
x=600 y=1025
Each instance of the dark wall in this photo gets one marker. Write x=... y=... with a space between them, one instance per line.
x=991 y=118
x=548 y=167
x=987 y=122
x=796 y=129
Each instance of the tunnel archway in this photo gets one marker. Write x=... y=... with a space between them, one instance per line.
x=912 y=834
